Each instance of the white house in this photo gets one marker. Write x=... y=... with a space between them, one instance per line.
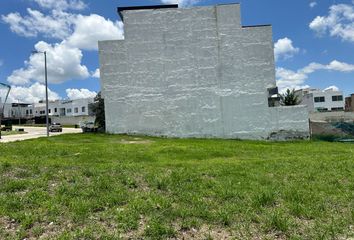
x=68 y=108
x=316 y=100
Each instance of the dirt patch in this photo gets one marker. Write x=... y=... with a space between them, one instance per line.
x=204 y=232
x=9 y=227
x=136 y=141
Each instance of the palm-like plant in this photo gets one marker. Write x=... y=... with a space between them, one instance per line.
x=289 y=98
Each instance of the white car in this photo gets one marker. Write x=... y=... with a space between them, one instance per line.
x=55 y=127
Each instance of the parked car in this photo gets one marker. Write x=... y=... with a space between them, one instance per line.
x=55 y=127
x=88 y=127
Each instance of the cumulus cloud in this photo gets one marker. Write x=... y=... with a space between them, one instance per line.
x=284 y=49
x=296 y=79
x=331 y=88
x=57 y=25
x=63 y=63
x=182 y=3
x=338 y=23
x=76 y=32
x=90 y=29
x=80 y=93
x=313 y=4
x=62 y=4
x=96 y=73
x=31 y=94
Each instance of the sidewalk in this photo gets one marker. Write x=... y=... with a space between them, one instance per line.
x=35 y=132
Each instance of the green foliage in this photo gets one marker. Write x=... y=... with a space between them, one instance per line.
x=98 y=186
x=289 y=98
x=98 y=110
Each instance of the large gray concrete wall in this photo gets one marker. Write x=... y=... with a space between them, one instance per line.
x=191 y=73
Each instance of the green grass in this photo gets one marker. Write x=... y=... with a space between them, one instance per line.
x=120 y=187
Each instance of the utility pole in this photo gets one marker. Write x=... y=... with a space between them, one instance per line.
x=46 y=89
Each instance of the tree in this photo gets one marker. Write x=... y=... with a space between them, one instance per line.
x=289 y=98
x=98 y=110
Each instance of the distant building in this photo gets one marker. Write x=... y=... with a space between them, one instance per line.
x=349 y=103
x=194 y=72
x=63 y=111
x=321 y=100
x=68 y=108
x=18 y=110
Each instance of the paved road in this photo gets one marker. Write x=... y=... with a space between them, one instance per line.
x=35 y=132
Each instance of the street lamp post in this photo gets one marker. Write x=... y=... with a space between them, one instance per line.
x=46 y=89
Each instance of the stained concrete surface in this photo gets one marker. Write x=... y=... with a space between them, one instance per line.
x=35 y=132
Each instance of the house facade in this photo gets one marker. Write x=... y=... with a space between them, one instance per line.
x=322 y=100
x=64 y=108
x=194 y=72
x=62 y=111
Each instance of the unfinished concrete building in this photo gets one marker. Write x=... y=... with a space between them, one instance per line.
x=194 y=72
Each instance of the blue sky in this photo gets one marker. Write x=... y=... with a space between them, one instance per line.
x=314 y=42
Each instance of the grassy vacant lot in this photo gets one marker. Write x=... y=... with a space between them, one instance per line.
x=112 y=187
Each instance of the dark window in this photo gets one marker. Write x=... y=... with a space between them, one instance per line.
x=83 y=109
x=337 y=98
x=26 y=112
x=319 y=99
x=322 y=109
x=49 y=110
x=31 y=111
x=55 y=110
x=76 y=110
x=337 y=109
x=68 y=110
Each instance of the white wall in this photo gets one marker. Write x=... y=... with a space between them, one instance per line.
x=192 y=73
x=69 y=104
x=329 y=104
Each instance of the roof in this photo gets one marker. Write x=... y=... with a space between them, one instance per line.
x=134 y=8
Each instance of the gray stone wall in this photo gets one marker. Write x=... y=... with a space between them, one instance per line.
x=192 y=73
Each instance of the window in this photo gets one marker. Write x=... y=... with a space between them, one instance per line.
x=31 y=111
x=322 y=109
x=26 y=112
x=55 y=110
x=68 y=110
x=49 y=110
x=337 y=109
x=319 y=99
x=337 y=98
x=83 y=109
x=76 y=110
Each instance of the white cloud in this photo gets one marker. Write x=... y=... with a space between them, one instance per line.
x=80 y=93
x=313 y=4
x=182 y=3
x=31 y=94
x=75 y=30
x=63 y=63
x=57 y=25
x=62 y=4
x=284 y=49
x=331 y=88
x=296 y=79
x=90 y=29
x=338 y=23
x=96 y=73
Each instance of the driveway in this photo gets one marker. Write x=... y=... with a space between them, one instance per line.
x=35 y=132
